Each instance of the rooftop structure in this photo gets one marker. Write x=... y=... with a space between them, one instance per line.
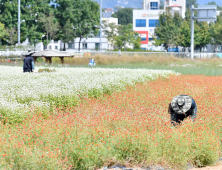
x=107 y=14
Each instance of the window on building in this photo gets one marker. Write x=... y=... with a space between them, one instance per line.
x=70 y=45
x=153 y=5
x=150 y=39
x=50 y=47
x=174 y=0
x=143 y=38
x=97 y=46
x=84 y=45
x=153 y=22
x=140 y=23
x=56 y=47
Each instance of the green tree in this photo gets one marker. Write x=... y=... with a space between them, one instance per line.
x=168 y=30
x=3 y=32
x=203 y=34
x=137 y=41
x=50 y=25
x=124 y=15
x=29 y=29
x=83 y=15
x=216 y=32
x=87 y=19
x=68 y=33
x=110 y=31
x=126 y=35
x=12 y=35
x=189 y=3
x=185 y=34
x=214 y=3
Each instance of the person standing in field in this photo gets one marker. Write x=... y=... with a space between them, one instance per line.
x=28 y=62
x=119 y=52
x=181 y=107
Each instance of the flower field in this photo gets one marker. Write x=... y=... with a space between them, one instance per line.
x=131 y=127
x=23 y=93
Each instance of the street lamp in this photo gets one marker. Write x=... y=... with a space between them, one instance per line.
x=19 y=23
x=100 y=25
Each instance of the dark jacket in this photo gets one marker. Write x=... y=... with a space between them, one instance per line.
x=27 y=65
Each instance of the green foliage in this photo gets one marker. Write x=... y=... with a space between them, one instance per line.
x=2 y=31
x=216 y=32
x=214 y=3
x=30 y=28
x=168 y=29
x=110 y=31
x=189 y=3
x=124 y=15
x=185 y=34
x=203 y=35
x=83 y=16
x=126 y=35
x=137 y=43
x=67 y=33
x=12 y=35
x=49 y=24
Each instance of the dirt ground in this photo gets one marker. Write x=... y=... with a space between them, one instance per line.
x=217 y=167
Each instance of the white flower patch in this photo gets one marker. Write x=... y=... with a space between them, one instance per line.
x=19 y=92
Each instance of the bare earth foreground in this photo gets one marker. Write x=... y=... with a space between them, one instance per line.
x=218 y=167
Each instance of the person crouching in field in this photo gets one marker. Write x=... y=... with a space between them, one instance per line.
x=28 y=62
x=181 y=107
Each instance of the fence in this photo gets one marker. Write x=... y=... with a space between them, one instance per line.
x=18 y=54
x=158 y=54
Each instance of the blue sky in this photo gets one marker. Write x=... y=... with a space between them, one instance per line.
x=203 y=2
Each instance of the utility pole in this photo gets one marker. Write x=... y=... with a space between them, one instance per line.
x=192 y=31
x=18 y=22
x=100 y=32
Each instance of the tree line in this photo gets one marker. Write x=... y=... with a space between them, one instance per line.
x=62 y=20
x=174 y=31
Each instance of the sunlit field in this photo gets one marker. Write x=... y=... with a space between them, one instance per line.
x=128 y=127
x=185 y=66
x=22 y=94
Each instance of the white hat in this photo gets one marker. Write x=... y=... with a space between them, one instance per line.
x=181 y=104
x=30 y=52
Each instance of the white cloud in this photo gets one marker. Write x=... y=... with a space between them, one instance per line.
x=125 y=3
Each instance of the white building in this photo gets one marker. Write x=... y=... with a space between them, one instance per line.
x=94 y=43
x=146 y=19
x=176 y=6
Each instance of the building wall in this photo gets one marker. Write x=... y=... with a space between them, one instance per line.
x=181 y=3
x=147 y=5
x=149 y=16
